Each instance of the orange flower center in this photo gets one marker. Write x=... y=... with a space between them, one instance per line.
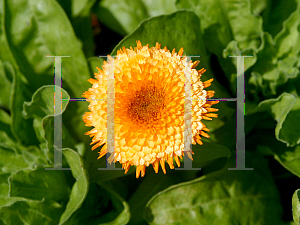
x=146 y=105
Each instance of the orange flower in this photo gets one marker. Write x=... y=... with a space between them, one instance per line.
x=149 y=107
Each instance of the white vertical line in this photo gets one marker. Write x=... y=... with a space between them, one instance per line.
x=188 y=110
x=110 y=111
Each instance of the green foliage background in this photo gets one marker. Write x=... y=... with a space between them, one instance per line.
x=215 y=29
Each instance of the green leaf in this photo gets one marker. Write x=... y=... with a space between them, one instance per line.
x=152 y=184
x=48 y=135
x=208 y=152
x=79 y=7
x=285 y=110
x=121 y=16
x=288 y=39
x=266 y=143
x=40 y=108
x=5 y=87
x=81 y=22
x=42 y=103
x=4 y=190
x=22 y=129
x=38 y=184
x=93 y=207
x=289 y=133
x=10 y=161
x=80 y=187
x=296 y=206
x=276 y=13
x=14 y=152
x=5 y=122
x=223 y=21
x=121 y=212
x=5 y=51
x=27 y=25
x=157 y=7
x=288 y=158
x=31 y=212
x=124 y=16
x=224 y=197
x=269 y=72
x=172 y=31
x=96 y=208
x=258 y=6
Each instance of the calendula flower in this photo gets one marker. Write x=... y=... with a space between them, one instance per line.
x=149 y=107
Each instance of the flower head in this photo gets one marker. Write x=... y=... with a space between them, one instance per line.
x=149 y=115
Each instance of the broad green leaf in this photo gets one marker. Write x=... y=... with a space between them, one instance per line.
x=5 y=88
x=269 y=72
x=224 y=197
x=78 y=7
x=153 y=183
x=288 y=39
x=289 y=133
x=176 y=30
x=96 y=205
x=267 y=144
x=170 y=31
x=31 y=154
x=120 y=214
x=285 y=110
x=289 y=158
x=34 y=156
x=227 y=23
x=158 y=7
x=5 y=52
x=265 y=66
x=31 y=212
x=276 y=13
x=43 y=16
x=296 y=206
x=15 y=156
x=39 y=108
x=223 y=21
x=121 y=16
x=124 y=16
x=92 y=208
x=38 y=184
x=27 y=25
x=11 y=161
x=258 y=6
x=81 y=22
x=4 y=190
x=5 y=121
x=208 y=152
x=79 y=14
x=21 y=128
x=80 y=187
x=42 y=103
